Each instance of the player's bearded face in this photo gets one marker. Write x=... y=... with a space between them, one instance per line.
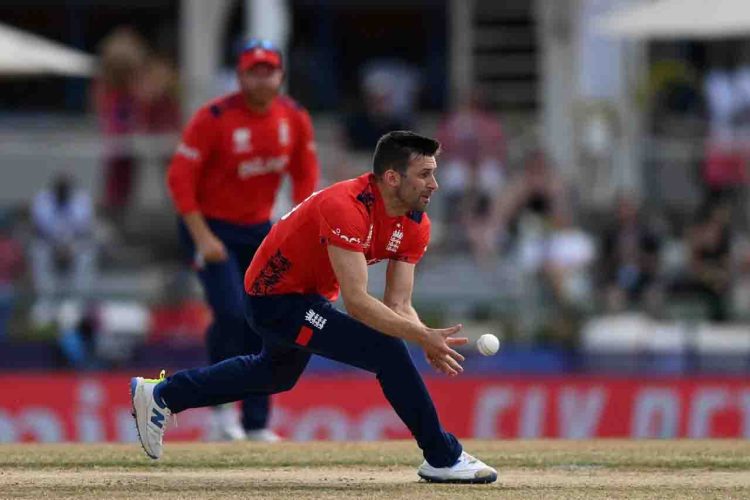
x=418 y=183
x=261 y=83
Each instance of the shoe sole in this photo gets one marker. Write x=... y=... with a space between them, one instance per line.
x=133 y=387
x=477 y=480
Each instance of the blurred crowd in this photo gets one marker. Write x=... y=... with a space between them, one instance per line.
x=504 y=205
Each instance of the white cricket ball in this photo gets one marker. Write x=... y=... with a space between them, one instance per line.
x=488 y=344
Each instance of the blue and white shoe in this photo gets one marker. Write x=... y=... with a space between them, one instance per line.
x=262 y=436
x=466 y=470
x=150 y=415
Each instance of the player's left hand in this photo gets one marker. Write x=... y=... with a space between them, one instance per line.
x=439 y=350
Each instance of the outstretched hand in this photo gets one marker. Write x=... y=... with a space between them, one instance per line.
x=438 y=348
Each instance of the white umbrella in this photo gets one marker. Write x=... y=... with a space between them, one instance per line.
x=673 y=19
x=24 y=53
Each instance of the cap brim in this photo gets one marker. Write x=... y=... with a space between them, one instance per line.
x=253 y=58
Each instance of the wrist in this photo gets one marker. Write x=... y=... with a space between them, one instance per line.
x=420 y=334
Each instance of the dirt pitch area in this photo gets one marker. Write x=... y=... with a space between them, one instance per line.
x=528 y=469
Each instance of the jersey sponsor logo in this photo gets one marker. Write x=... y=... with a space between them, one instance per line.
x=283 y=133
x=188 y=152
x=348 y=239
x=395 y=241
x=315 y=319
x=241 y=140
x=262 y=166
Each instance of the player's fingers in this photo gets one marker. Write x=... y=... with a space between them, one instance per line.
x=453 y=354
x=433 y=363
x=447 y=332
x=455 y=365
x=456 y=341
x=447 y=369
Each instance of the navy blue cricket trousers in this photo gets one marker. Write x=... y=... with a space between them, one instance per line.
x=293 y=328
x=229 y=334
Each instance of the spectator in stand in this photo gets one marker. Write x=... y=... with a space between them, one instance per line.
x=629 y=261
x=531 y=219
x=727 y=150
x=122 y=55
x=709 y=276
x=63 y=250
x=529 y=203
x=11 y=267
x=159 y=106
x=473 y=159
x=389 y=91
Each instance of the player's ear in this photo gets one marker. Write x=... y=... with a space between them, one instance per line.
x=391 y=178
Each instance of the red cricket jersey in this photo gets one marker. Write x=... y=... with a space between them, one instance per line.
x=350 y=214
x=230 y=162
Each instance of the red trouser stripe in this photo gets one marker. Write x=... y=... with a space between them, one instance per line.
x=305 y=334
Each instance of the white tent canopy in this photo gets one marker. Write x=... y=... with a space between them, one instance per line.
x=24 y=53
x=672 y=19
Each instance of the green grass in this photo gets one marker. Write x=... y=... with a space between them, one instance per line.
x=528 y=469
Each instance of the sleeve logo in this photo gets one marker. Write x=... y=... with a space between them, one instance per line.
x=188 y=152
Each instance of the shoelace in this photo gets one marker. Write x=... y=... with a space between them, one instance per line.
x=162 y=376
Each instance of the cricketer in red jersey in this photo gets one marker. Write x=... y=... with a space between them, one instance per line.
x=224 y=178
x=320 y=246
x=351 y=215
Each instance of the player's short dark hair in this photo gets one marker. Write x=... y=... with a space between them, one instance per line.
x=396 y=149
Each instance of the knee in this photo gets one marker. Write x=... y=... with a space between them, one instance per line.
x=284 y=381
x=393 y=355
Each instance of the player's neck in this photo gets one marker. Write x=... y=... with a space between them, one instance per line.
x=393 y=206
x=259 y=108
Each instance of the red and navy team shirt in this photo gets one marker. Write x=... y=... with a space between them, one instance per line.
x=350 y=214
x=230 y=162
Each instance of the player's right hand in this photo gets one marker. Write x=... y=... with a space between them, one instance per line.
x=438 y=346
x=212 y=249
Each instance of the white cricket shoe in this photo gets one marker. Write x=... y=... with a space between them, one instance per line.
x=150 y=415
x=225 y=425
x=466 y=470
x=263 y=436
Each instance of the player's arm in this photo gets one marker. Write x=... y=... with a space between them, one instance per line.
x=399 y=284
x=303 y=167
x=350 y=268
x=184 y=171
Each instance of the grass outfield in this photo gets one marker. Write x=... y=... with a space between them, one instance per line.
x=527 y=469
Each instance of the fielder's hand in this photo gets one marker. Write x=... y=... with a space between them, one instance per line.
x=438 y=348
x=212 y=249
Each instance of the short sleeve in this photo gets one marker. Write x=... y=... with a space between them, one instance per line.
x=343 y=225
x=416 y=245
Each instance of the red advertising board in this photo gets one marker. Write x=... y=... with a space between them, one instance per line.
x=88 y=408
